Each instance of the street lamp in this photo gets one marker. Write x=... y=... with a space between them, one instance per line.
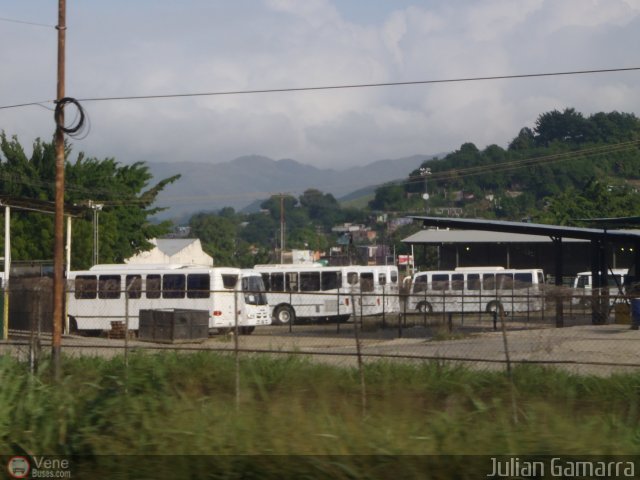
x=96 y=207
x=424 y=173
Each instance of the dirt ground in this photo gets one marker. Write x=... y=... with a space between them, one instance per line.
x=582 y=348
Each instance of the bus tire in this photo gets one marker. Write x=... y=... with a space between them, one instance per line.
x=246 y=330
x=585 y=302
x=73 y=326
x=495 y=306
x=283 y=315
x=424 y=307
x=343 y=318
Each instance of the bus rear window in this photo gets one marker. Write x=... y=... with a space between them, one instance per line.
x=229 y=281
x=366 y=282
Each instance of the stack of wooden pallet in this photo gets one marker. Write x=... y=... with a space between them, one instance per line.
x=117 y=330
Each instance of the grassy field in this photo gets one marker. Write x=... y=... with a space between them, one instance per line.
x=187 y=404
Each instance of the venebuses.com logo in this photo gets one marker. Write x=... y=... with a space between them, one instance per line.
x=18 y=467
x=38 y=467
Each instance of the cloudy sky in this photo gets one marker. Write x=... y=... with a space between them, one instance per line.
x=159 y=47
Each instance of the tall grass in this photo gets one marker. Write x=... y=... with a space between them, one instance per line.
x=185 y=404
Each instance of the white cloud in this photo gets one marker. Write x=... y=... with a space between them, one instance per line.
x=160 y=47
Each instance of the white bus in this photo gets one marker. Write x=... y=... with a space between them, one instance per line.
x=96 y=297
x=375 y=288
x=305 y=291
x=615 y=282
x=477 y=289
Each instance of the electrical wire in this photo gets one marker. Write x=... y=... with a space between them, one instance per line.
x=76 y=130
x=339 y=87
x=23 y=22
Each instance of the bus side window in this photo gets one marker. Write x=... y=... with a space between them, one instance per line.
x=382 y=279
x=583 y=281
x=457 y=281
x=420 y=284
x=489 y=281
x=309 y=281
x=229 y=281
x=277 y=282
x=133 y=285
x=504 y=281
x=198 y=285
x=366 y=282
x=394 y=277
x=153 y=286
x=352 y=278
x=473 y=281
x=267 y=283
x=522 y=280
x=291 y=279
x=109 y=286
x=86 y=286
x=173 y=286
x=330 y=281
x=440 y=281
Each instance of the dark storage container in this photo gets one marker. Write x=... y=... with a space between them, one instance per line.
x=173 y=325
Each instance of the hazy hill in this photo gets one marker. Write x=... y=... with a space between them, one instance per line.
x=240 y=182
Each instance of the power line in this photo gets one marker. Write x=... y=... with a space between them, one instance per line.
x=338 y=87
x=35 y=24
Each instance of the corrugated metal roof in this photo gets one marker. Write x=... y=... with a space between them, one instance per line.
x=476 y=236
x=533 y=229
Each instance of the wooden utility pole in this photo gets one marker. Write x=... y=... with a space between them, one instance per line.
x=58 y=254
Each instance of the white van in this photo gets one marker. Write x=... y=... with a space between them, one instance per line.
x=583 y=283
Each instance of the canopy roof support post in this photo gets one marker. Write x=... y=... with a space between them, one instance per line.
x=559 y=262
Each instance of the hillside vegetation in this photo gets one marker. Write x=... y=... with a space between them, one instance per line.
x=567 y=167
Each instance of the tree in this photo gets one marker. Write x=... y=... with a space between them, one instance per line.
x=123 y=190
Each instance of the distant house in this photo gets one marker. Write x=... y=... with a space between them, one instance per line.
x=186 y=251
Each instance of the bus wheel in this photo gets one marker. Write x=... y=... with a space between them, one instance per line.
x=73 y=326
x=343 y=318
x=246 y=330
x=585 y=302
x=424 y=307
x=283 y=315
x=495 y=307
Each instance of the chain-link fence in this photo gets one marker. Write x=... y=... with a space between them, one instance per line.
x=477 y=329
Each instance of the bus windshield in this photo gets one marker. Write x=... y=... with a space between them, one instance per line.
x=254 y=291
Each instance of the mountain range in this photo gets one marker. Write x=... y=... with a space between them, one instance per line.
x=248 y=180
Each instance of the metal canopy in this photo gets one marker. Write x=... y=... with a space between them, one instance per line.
x=599 y=238
x=552 y=231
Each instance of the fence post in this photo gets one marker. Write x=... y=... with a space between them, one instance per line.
x=236 y=346
x=384 y=307
x=363 y=385
x=126 y=324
